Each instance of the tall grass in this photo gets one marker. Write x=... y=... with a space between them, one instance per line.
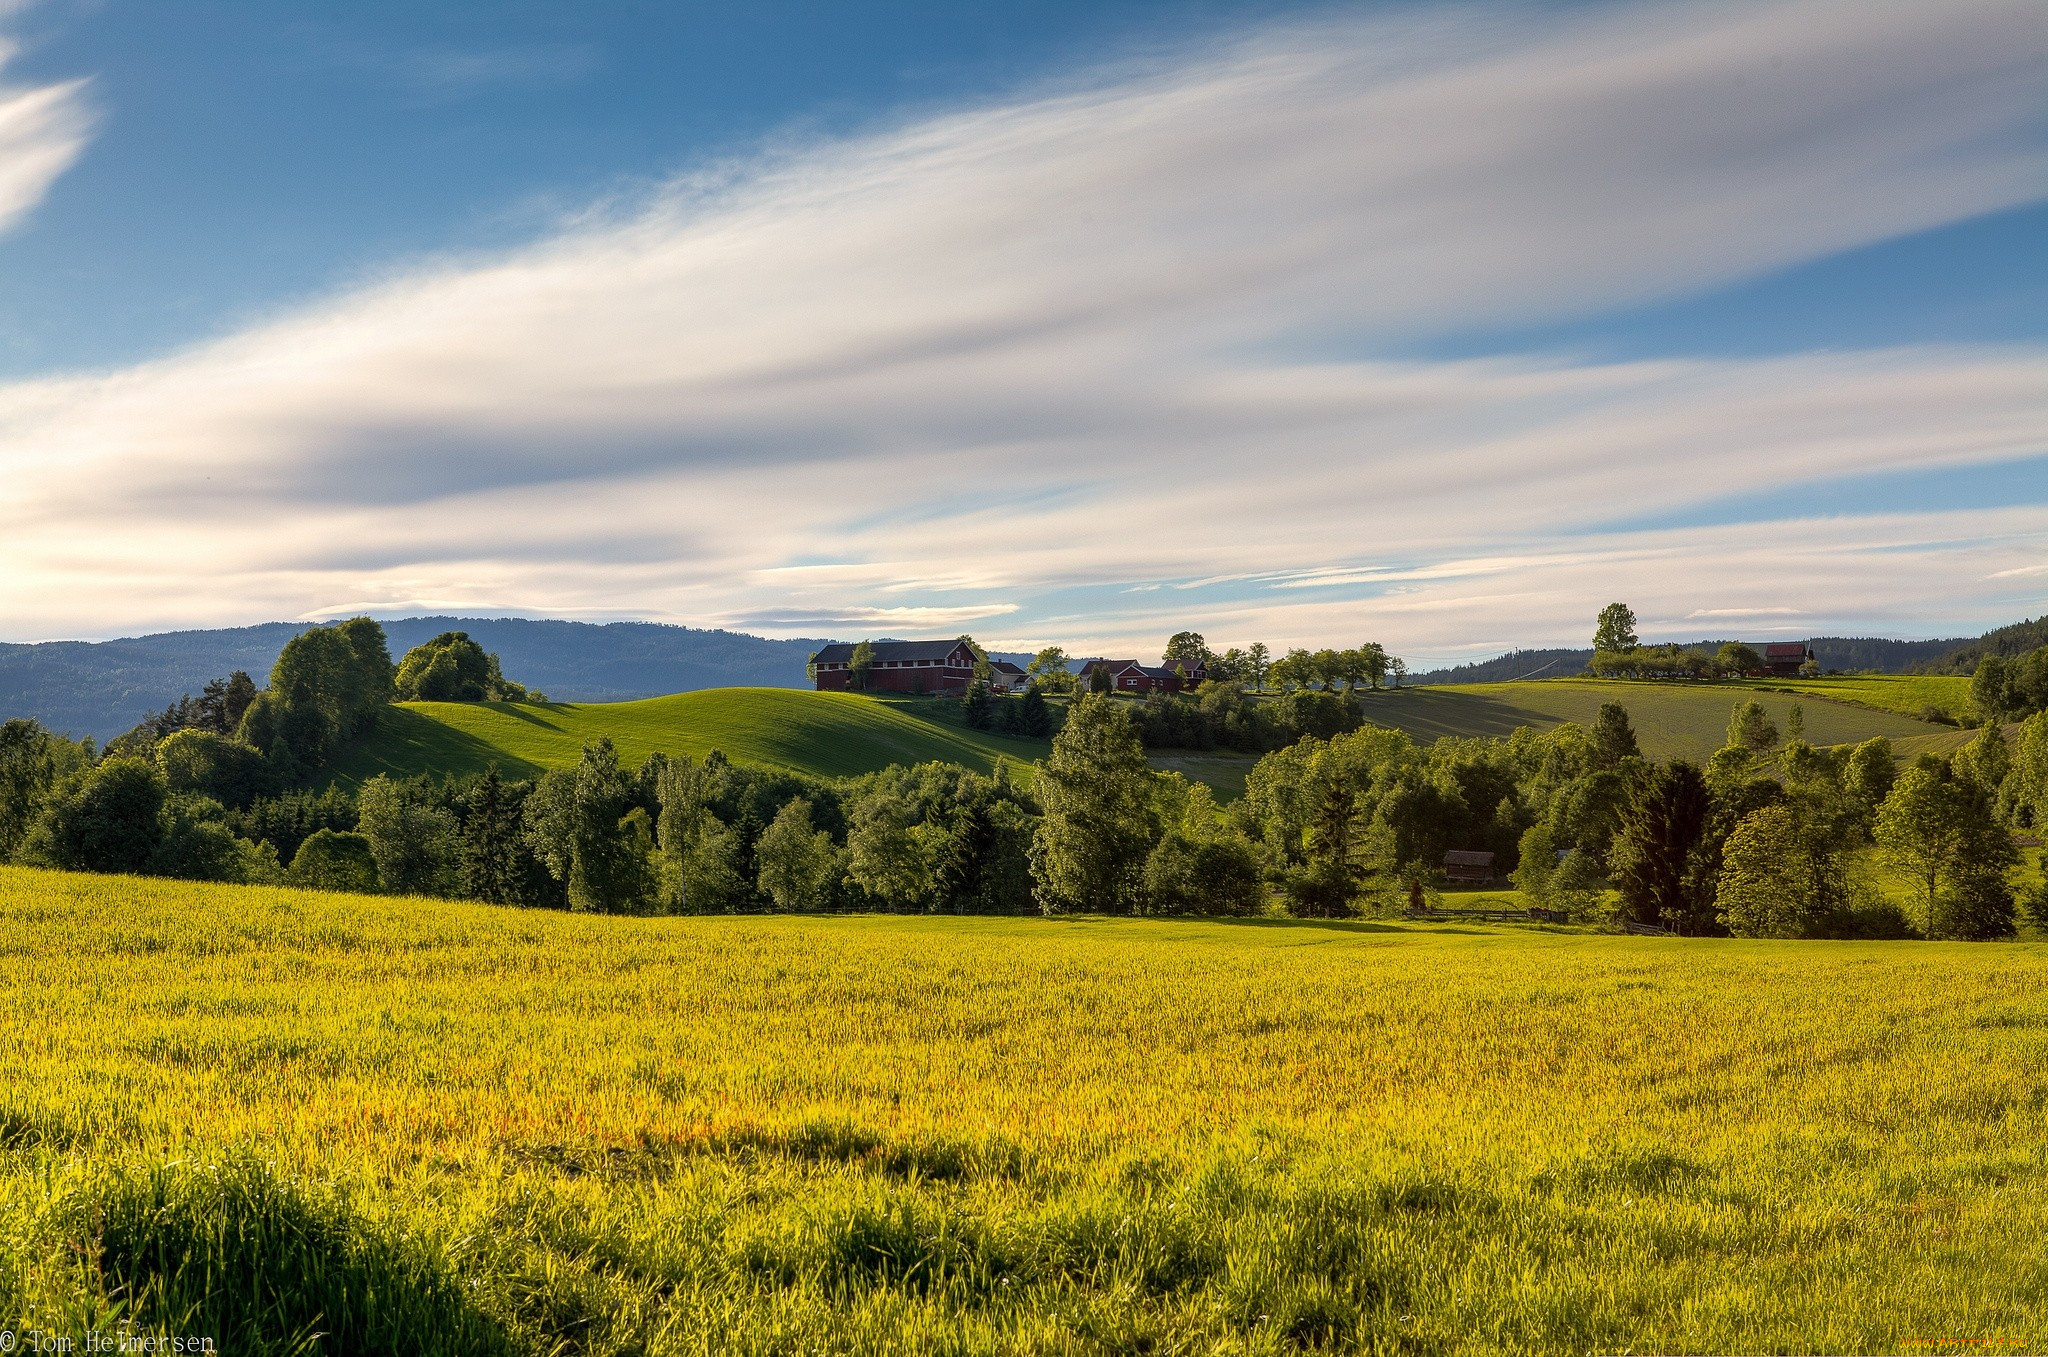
x=403 y=1124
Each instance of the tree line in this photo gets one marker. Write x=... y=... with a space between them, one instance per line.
x=1769 y=837
x=1618 y=652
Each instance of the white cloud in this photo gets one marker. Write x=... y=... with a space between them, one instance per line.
x=976 y=368
x=42 y=130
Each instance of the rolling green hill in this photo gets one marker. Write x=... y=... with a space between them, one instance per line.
x=1670 y=718
x=843 y=734
x=828 y=734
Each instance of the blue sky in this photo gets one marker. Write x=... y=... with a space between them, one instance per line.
x=1441 y=325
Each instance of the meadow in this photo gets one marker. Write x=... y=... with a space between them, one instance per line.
x=1682 y=719
x=827 y=734
x=419 y=1126
x=1907 y=694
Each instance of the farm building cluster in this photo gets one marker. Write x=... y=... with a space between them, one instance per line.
x=945 y=668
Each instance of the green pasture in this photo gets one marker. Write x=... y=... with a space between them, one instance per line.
x=420 y=1126
x=1906 y=694
x=1682 y=719
x=827 y=734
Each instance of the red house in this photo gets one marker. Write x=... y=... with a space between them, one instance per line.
x=943 y=668
x=1128 y=676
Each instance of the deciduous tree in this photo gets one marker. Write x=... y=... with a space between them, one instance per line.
x=1616 y=630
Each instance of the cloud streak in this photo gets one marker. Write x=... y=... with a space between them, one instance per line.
x=42 y=131
x=1124 y=332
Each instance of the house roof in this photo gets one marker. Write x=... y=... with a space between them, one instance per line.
x=841 y=652
x=1005 y=667
x=1459 y=857
x=1114 y=666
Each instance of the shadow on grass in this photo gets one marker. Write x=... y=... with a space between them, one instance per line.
x=524 y=711
x=406 y=742
x=1426 y=713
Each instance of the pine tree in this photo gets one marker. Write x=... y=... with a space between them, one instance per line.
x=490 y=844
x=963 y=867
x=1655 y=854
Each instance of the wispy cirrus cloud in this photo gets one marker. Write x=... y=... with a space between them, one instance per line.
x=42 y=131
x=989 y=362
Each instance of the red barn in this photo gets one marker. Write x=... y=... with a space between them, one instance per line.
x=1783 y=658
x=944 y=668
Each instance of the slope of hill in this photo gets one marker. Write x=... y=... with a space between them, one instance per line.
x=1689 y=720
x=829 y=734
x=1906 y=694
x=1850 y=654
x=103 y=688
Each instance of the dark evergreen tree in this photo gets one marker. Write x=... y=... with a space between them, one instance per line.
x=491 y=847
x=1035 y=714
x=977 y=707
x=962 y=874
x=1335 y=851
x=1655 y=859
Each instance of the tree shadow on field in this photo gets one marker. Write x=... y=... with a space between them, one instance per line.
x=524 y=711
x=408 y=742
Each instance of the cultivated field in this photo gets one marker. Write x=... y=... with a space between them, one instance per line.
x=829 y=734
x=534 y=1133
x=1686 y=719
x=1907 y=694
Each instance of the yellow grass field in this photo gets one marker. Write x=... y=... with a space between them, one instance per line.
x=263 y=1115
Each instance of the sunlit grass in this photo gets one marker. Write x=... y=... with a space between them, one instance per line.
x=828 y=734
x=984 y=1135
x=1670 y=718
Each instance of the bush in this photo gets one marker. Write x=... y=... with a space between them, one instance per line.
x=330 y=861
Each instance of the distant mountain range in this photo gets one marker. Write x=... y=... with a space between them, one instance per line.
x=1847 y=653
x=103 y=688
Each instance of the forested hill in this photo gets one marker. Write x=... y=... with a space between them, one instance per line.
x=103 y=688
x=1848 y=653
x=2017 y=639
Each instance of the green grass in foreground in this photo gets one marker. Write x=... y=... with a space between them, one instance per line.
x=829 y=734
x=420 y=1126
x=1686 y=719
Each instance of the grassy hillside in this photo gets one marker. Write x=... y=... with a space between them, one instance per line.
x=1670 y=718
x=830 y=734
x=1907 y=694
x=841 y=734
x=444 y=1127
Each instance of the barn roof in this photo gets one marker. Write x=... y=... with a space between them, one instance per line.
x=1459 y=857
x=1785 y=650
x=841 y=652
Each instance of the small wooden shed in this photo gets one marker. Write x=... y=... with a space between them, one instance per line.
x=1460 y=865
